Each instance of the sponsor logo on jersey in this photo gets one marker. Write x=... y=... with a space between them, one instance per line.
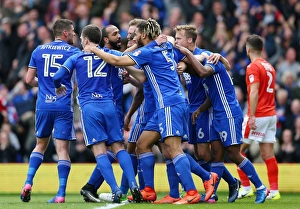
x=96 y=95
x=50 y=98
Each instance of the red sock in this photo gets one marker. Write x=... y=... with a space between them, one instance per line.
x=243 y=177
x=272 y=168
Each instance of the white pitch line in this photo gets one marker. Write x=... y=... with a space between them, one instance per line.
x=110 y=206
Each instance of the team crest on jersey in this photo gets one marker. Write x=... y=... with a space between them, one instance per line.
x=120 y=73
x=251 y=78
x=187 y=78
x=137 y=53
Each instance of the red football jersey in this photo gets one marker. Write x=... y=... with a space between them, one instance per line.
x=262 y=72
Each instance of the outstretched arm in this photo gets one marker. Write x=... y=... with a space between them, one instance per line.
x=117 y=61
x=202 y=71
x=110 y=58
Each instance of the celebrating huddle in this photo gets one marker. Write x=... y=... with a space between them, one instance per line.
x=161 y=67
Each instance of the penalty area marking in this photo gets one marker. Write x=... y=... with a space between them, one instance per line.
x=110 y=206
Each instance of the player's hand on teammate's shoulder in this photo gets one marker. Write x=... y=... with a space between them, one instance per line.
x=161 y=39
x=90 y=48
x=213 y=58
x=61 y=91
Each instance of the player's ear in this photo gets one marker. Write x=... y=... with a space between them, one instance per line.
x=65 y=33
x=105 y=39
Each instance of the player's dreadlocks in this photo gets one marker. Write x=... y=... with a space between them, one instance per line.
x=150 y=27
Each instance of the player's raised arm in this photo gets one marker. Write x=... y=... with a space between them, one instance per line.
x=117 y=61
x=109 y=58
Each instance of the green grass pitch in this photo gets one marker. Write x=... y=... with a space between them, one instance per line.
x=74 y=201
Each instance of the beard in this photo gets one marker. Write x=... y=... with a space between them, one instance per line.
x=115 y=44
x=139 y=42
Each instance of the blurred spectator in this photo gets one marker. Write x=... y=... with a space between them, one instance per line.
x=241 y=98
x=44 y=35
x=288 y=82
x=149 y=9
x=7 y=35
x=220 y=36
x=19 y=67
x=3 y=104
x=293 y=114
x=289 y=63
x=190 y=7
x=271 y=14
x=287 y=152
x=23 y=97
x=8 y=153
x=79 y=153
x=272 y=44
x=282 y=109
x=63 y=8
x=14 y=141
x=297 y=132
x=174 y=19
x=82 y=18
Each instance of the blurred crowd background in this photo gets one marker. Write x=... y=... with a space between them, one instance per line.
x=223 y=26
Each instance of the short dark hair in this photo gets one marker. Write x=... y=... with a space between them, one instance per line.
x=255 y=42
x=60 y=25
x=93 y=33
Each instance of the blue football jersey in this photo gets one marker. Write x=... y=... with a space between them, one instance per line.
x=149 y=105
x=93 y=76
x=47 y=59
x=117 y=81
x=159 y=66
x=220 y=89
x=196 y=91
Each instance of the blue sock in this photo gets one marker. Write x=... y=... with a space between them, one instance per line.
x=228 y=177
x=173 y=179
x=35 y=160
x=218 y=168
x=183 y=169
x=63 y=167
x=140 y=176
x=247 y=167
x=134 y=161
x=124 y=181
x=111 y=156
x=205 y=165
x=126 y=165
x=105 y=167
x=147 y=161
x=96 y=178
x=197 y=169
